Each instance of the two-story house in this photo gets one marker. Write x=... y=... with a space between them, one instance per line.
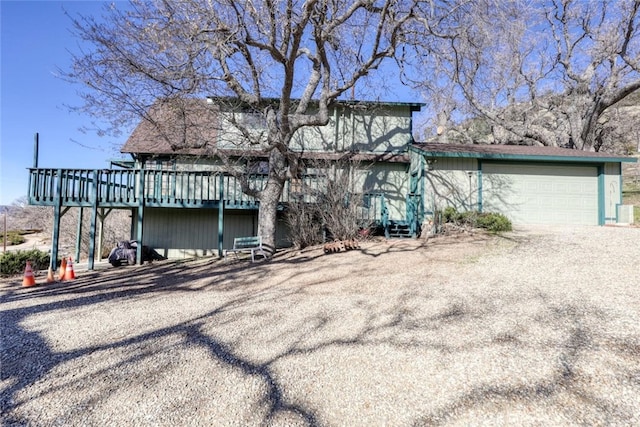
x=184 y=182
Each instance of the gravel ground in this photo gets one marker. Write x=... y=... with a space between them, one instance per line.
x=537 y=327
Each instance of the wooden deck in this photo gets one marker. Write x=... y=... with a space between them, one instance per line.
x=104 y=189
x=112 y=188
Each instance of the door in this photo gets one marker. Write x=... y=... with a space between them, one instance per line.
x=531 y=193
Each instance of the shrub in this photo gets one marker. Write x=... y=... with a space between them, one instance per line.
x=490 y=221
x=12 y=263
x=494 y=222
x=13 y=237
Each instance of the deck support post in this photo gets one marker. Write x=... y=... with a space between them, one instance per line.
x=94 y=215
x=139 y=230
x=79 y=235
x=102 y=215
x=55 y=238
x=221 y=216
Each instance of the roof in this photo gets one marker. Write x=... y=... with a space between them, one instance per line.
x=516 y=152
x=190 y=126
x=182 y=126
x=413 y=106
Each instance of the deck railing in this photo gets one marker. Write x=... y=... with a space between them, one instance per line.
x=124 y=188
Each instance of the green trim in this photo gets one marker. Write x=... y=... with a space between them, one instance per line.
x=620 y=187
x=479 y=185
x=415 y=106
x=601 y=198
x=525 y=157
x=221 y=217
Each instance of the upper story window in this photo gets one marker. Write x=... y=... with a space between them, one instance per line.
x=253 y=120
x=160 y=164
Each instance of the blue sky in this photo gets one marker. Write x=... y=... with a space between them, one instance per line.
x=35 y=40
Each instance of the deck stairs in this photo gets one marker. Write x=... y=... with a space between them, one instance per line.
x=399 y=229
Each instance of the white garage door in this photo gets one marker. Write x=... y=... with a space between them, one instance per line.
x=541 y=194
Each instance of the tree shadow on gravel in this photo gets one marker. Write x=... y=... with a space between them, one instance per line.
x=299 y=316
x=27 y=357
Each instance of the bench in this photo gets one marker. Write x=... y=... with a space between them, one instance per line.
x=247 y=244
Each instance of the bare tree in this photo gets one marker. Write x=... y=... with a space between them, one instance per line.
x=285 y=61
x=540 y=71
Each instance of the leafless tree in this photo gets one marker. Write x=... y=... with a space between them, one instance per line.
x=285 y=61
x=540 y=71
x=330 y=205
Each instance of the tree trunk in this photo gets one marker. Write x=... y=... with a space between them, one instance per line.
x=267 y=214
x=269 y=198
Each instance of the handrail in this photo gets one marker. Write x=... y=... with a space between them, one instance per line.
x=121 y=188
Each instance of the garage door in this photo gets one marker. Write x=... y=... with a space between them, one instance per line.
x=541 y=194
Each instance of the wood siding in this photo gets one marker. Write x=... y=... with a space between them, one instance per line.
x=447 y=184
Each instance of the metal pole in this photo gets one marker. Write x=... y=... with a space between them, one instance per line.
x=36 y=142
x=4 y=241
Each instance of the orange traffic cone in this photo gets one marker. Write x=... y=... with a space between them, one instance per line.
x=63 y=269
x=28 y=279
x=70 y=274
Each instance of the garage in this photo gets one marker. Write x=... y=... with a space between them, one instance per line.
x=531 y=193
x=528 y=184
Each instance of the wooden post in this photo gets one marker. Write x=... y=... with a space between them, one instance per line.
x=55 y=238
x=100 y=232
x=221 y=216
x=139 y=230
x=79 y=235
x=94 y=215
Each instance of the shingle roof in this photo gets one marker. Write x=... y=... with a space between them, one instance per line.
x=182 y=126
x=516 y=152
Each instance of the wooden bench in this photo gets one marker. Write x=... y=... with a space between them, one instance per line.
x=251 y=244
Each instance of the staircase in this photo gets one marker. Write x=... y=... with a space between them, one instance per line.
x=398 y=229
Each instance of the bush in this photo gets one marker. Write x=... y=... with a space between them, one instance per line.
x=490 y=221
x=14 y=262
x=494 y=222
x=13 y=237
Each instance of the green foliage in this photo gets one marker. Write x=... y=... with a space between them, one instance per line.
x=14 y=262
x=14 y=237
x=494 y=222
x=490 y=221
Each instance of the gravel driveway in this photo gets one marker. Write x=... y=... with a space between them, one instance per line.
x=537 y=327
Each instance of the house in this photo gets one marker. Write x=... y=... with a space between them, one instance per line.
x=184 y=184
x=377 y=135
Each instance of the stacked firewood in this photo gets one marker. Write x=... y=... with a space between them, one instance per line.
x=341 y=245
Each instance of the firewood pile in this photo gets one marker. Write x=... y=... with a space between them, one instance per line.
x=341 y=245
